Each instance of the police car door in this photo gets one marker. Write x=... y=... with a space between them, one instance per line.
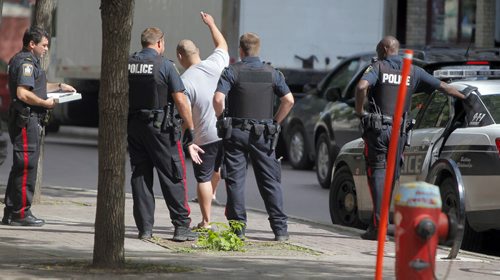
x=427 y=137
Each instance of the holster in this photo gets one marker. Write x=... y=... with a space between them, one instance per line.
x=374 y=122
x=167 y=117
x=272 y=133
x=158 y=117
x=21 y=114
x=258 y=129
x=45 y=118
x=177 y=126
x=224 y=127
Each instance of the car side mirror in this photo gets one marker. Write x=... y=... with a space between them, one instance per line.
x=333 y=94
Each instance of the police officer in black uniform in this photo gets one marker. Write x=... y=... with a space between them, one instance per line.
x=383 y=78
x=28 y=90
x=157 y=107
x=249 y=129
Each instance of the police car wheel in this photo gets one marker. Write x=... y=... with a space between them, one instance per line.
x=343 y=200
x=472 y=240
x=324 y=161
x=297 y=149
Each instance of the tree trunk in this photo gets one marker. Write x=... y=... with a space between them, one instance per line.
x=42 y=18
x=117 y=16
x=1 y=8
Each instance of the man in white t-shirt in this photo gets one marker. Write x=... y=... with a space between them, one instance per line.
x=200 y=80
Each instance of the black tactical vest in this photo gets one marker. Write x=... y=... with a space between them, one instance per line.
x=252 y=94
x=146 y=92
x=385 y=92
x=40 y=87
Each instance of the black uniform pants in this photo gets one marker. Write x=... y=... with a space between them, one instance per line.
x=151 y=149
x=22 y=177
x=242 y=145
x=376 y=149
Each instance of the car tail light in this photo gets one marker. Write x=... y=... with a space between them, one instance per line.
x=477 y=63
x=497 y=141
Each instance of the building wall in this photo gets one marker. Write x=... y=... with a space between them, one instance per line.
x=416 y=31
x=485 y=23
x=416 y=25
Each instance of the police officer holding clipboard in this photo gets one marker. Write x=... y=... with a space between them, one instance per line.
x=250 y=130
x=27 y=116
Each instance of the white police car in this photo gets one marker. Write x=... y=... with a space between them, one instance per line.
x=455 y=144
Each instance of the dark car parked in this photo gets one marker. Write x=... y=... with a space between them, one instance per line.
x=323 y=121
x=298 y=127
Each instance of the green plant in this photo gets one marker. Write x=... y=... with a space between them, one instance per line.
x=221 y=237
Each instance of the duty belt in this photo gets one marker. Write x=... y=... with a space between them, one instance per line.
x=145 y=115
x=247 y=124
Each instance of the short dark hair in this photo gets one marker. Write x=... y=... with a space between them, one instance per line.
x=35 y=34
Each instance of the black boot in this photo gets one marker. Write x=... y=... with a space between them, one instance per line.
x=370 y=234
x=182 y=234
x=7 y=217
x=28 y=221
x=145 y=235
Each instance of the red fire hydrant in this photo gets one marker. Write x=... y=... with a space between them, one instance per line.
x=420 y=225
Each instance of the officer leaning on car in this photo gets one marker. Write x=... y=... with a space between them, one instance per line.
x=157 y=107
x=382 y=78
x=27 y=115
x=249 y=129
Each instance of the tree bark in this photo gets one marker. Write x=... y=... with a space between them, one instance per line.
x=42 y=18
x=1 y=9
x=117 y=17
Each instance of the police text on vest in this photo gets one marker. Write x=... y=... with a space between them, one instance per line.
x=393 y=79
x=139 y=68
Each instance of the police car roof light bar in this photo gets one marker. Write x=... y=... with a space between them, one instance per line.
x=466 y=73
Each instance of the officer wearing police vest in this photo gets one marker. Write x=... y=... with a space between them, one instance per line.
x=249 y=130
x=157 y=109
x=27 y=116
x=382 y=79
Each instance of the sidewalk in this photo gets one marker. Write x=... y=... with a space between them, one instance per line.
x=314 y=251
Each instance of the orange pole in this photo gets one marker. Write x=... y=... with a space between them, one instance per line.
x=391 y=162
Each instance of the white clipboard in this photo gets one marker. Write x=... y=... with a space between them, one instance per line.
x=63 y=97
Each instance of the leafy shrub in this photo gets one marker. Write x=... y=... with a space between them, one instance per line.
x=221 y=237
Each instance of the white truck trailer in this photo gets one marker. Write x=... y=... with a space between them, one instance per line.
x=294 y=34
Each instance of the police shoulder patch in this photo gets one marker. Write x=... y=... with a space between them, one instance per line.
x=175 y=67
x=370 y=68
x=27 y=69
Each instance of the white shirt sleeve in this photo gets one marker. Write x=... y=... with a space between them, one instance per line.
x=220 y=58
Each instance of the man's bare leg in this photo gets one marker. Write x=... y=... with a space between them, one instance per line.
x=204 y=191
x=215 y=183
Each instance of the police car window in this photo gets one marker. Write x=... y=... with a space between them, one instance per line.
x=342 y=77
x=417 y=103
x=492 y=103
x=437 y=112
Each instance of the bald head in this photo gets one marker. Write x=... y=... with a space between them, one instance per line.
x=187 y=48
x=389 y=45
